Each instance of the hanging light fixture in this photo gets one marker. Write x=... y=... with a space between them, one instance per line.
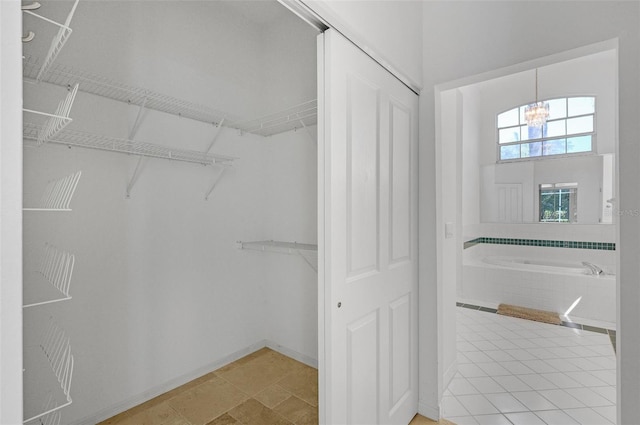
x=536 y=114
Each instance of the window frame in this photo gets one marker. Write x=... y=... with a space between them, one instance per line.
x=572 y=190
x=593 y=133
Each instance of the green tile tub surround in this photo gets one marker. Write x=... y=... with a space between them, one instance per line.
x=603 y=246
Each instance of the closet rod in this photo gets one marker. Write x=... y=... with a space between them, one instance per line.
x=112 y=144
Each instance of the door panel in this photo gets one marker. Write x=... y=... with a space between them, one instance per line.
x=368 y=168
x=400 y=357
x=400 y=184
x=363 y=364
x=362 y=172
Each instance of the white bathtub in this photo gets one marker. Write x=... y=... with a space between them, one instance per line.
x=540 y=265
x=563 y=286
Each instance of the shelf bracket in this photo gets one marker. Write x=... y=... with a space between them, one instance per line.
x=215 y=136
x=132 y=134
x=313 y=139
x=138 y=121
x=134 y=177
x=213 y=185
x=309 y=262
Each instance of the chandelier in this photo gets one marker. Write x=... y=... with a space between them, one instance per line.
x=536 y=114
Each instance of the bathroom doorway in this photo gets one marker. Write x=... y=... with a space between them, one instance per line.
x=495 y=176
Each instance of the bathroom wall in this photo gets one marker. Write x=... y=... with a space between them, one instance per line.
x=471 y=173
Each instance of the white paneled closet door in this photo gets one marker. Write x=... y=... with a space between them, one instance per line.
x=368 y=234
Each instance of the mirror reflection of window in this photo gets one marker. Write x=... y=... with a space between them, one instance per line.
x=558 y=203
x=570 y=129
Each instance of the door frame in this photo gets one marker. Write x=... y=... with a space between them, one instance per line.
x=11 y=212
x=490 y=75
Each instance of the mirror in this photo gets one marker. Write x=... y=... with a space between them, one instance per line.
x=501 y=186
x=523 y=192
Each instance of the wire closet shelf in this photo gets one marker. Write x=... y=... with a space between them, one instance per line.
x=66 y=76
x=309 y=252
x=53 y=353
x=113 y=144
x=299 y=116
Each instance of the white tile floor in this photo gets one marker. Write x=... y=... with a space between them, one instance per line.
x=514 y=371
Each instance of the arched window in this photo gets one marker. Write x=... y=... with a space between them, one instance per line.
x=570 y=129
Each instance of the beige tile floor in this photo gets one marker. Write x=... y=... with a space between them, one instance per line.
x=263 y=388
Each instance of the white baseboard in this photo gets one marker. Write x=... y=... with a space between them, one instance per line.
x=449 y=374
x=427 y=411
x=303 y=358
x=127 y=404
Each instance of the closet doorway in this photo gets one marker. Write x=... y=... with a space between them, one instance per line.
x=195 y=143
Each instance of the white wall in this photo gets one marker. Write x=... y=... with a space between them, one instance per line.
x=289 y=63
x=389 y=31
x=449 y=231
x=291 y=285
x=464 y=39
x=471 y=179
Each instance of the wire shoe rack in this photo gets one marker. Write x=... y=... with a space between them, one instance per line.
x=53 y=353
x=56 y=269
x=58 y=193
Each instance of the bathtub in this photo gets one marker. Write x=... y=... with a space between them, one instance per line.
x=563 y=286
x=539 y=265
